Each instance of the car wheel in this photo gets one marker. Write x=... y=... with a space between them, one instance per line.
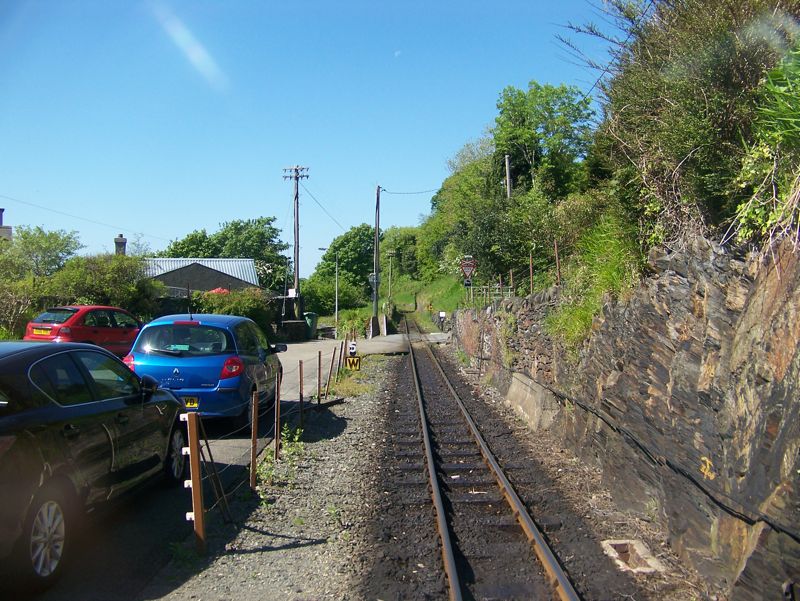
x=47 y=537
x=175 y=462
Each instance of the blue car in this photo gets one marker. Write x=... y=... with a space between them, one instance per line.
x=213 y=363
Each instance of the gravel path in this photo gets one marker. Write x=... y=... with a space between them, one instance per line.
x=303 y=538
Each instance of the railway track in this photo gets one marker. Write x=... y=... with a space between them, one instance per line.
x=490 y=545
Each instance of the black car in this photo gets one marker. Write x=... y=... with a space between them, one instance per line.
x=77 y=428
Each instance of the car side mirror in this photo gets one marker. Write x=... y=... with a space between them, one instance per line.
x=149 y=386
x=278 y=348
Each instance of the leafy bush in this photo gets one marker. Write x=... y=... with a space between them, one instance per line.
x=354 y=320
x=16 y=302
x=771 y=169
x=250 y=302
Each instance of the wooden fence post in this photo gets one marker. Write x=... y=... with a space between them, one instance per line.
x=300 y=367
x=277 y=419
x=319 y=376
x=197 y=515
x=330 y=373
x=339 y=362
x=254 y=440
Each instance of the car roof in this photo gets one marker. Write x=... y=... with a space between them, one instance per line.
x=84 y=307
x=201 y=318
x=10 y=348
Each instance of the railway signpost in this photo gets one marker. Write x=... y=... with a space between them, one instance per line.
x=468 y=266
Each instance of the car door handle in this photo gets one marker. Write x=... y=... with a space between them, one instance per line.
x=122 y=419
x=70 y=431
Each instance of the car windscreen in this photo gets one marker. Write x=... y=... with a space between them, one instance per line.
x=54 y=316
x=184 y=340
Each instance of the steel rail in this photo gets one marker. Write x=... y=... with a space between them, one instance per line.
x=441 y=521
x=558 y=578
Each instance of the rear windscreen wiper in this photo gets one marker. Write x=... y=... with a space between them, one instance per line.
x=167 y=352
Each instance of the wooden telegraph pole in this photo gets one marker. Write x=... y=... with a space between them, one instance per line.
x=376 y=274
x=296 y=173
x=508 y=176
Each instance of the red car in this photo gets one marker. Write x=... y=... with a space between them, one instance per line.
x=110 y=327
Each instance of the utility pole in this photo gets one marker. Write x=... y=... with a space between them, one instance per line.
x=296 y=173
x=336 y=294
x=508 y=176
x=391 y=254
x=336 y=299
x=376 y=274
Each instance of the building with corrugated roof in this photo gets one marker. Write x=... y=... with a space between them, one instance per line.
x=180 y=275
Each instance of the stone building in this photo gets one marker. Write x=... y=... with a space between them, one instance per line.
x=180 y=275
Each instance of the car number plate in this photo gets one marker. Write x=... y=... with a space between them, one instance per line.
x=190 y=401
x=41 y=331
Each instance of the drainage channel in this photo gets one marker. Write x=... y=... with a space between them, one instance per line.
x=490 y=545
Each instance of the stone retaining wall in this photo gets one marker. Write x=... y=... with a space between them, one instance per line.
x=686 y=394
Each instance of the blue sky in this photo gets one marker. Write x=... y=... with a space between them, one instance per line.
x=156 y=118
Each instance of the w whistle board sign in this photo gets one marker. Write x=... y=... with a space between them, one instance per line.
x=353 y=363
x=468 y=265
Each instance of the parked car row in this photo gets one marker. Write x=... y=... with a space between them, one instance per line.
x=79 y=426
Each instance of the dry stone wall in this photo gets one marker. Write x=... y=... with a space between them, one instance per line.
x=686 y=394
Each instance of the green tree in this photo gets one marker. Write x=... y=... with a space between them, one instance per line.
x=466 y=213
x=106 y=279
x=402 y=241
x=37 y=253
x=319 y=292
x=546 y=131
x=197 y=244
x=256 y=239
x=355 y=252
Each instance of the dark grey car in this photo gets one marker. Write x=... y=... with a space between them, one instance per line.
x=77 y=428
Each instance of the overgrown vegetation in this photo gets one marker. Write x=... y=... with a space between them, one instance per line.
x=354 y=383
x=282 y=473
x=607 y=262
x=770 y=171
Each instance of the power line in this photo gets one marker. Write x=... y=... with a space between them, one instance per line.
x=114 y=227
x=323 y=208
x=420 y=192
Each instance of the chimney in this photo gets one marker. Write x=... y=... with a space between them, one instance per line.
x=119 y=244
x=5 y=230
